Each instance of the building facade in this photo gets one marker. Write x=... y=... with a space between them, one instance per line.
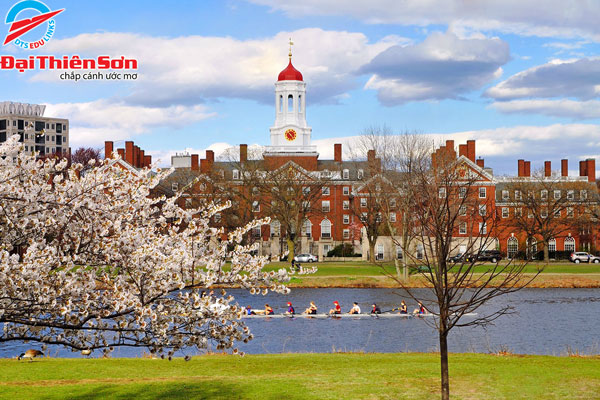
x=38 y=133
x=343 y=214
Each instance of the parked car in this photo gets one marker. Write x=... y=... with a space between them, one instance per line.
x=457 y=258
x=582 y=256
x=486 y=255
x=305 y=258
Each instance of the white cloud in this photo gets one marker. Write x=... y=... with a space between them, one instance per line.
x=579 y=78
x=442 y=66
x=554 y=18
x=94 y=122
x=191 y=69
x=558 y=108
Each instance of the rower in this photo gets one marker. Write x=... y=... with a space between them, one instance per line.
x=269 y=310
x=355 y=309
x=248 y=311
x=375 y=309
x=403 y=309
x=290 y=309
x=312 y=309
x=421 y=310
x=336 y=309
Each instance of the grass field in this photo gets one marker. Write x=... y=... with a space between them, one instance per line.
x=363 y=274
x=303 y=376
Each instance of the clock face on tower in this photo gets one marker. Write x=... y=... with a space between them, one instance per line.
x=290 y=135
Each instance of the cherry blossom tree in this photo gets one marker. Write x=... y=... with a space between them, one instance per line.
x=90 y=261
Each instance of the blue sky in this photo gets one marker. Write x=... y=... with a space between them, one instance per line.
x=522 y=80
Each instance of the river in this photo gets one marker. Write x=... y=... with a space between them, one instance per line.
x=547 y=321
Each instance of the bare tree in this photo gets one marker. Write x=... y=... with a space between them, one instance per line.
x=545 y=207
x=452 y=208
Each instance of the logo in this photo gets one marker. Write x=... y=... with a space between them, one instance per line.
x=18 y=28
x=290 y=134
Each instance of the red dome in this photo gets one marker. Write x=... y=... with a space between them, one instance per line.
x=290 y=74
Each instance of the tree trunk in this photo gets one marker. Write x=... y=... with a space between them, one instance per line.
x=398 y=270
x=444 y=364
x=546 y=253
x=372 y=251
x=291 y=245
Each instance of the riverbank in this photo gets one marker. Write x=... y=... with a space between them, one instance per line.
x=304 y=376
x=366 y=275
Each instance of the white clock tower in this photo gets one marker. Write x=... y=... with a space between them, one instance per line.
x=290 y=133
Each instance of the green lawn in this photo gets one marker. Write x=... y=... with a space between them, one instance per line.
x=362 y=268
x=303 y=376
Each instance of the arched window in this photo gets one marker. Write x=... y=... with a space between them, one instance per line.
x=299 y=103
x=512 y=247
x=552 y=245
x=326 y=229
x=290 y=103
x=280 y=103
x=307 y=228
x=569 y=244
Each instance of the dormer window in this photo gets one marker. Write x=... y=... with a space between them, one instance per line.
x=360 y=174
x=236 y=174
x=346 y=174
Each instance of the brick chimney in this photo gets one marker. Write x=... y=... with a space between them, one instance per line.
x=210 y=156
x=141 y=160
x=471 y=150
x=591 y=169
x=370 y=155
x=527 y=168
x=462 y=150
x=136 y=156
x=480 y=163
x=547 y=168
x=195 y=162
x=243 y=153
x=337 y=152
x=582 y=168
x=147 y=161
x=121 y=153
x=564 y=167
x=521 y=164
x=129 y=152
x=450 y=149
x=108 y=149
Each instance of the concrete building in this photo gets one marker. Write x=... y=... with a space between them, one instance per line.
x=46 y=135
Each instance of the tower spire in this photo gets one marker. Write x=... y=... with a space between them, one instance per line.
x=290 y=54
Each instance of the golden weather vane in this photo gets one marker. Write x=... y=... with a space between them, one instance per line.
x=290 y=54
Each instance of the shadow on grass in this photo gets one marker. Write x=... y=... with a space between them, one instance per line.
x=206 y=390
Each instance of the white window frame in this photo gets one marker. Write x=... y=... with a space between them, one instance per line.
x=325 y=206
x=482 y=228
x=462 y=228
x=346 y=233
x=325 y=191
x=174 y=186
x=393 y=217
x=583 y=194
x=544 y=194
x=346 y=204
x=462 y=192
x=483 y=210
x=462 y=210
x=325 y=223
x=345 y=174
x=482 y=192
x=505 y=195
x=255 y=206
x=518 y=195
x=442 y=193
x=570 y=195
x=360 y=174
x=363 y=202
x=346 y=190
x=505 y=212
x=346 y=219
x=236 y=174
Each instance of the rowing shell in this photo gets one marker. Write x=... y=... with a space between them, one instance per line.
x=353 y=316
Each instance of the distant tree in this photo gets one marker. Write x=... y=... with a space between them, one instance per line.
x=83 y=155
x=547 y=207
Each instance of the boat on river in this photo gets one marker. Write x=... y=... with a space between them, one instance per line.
x=345 y=316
